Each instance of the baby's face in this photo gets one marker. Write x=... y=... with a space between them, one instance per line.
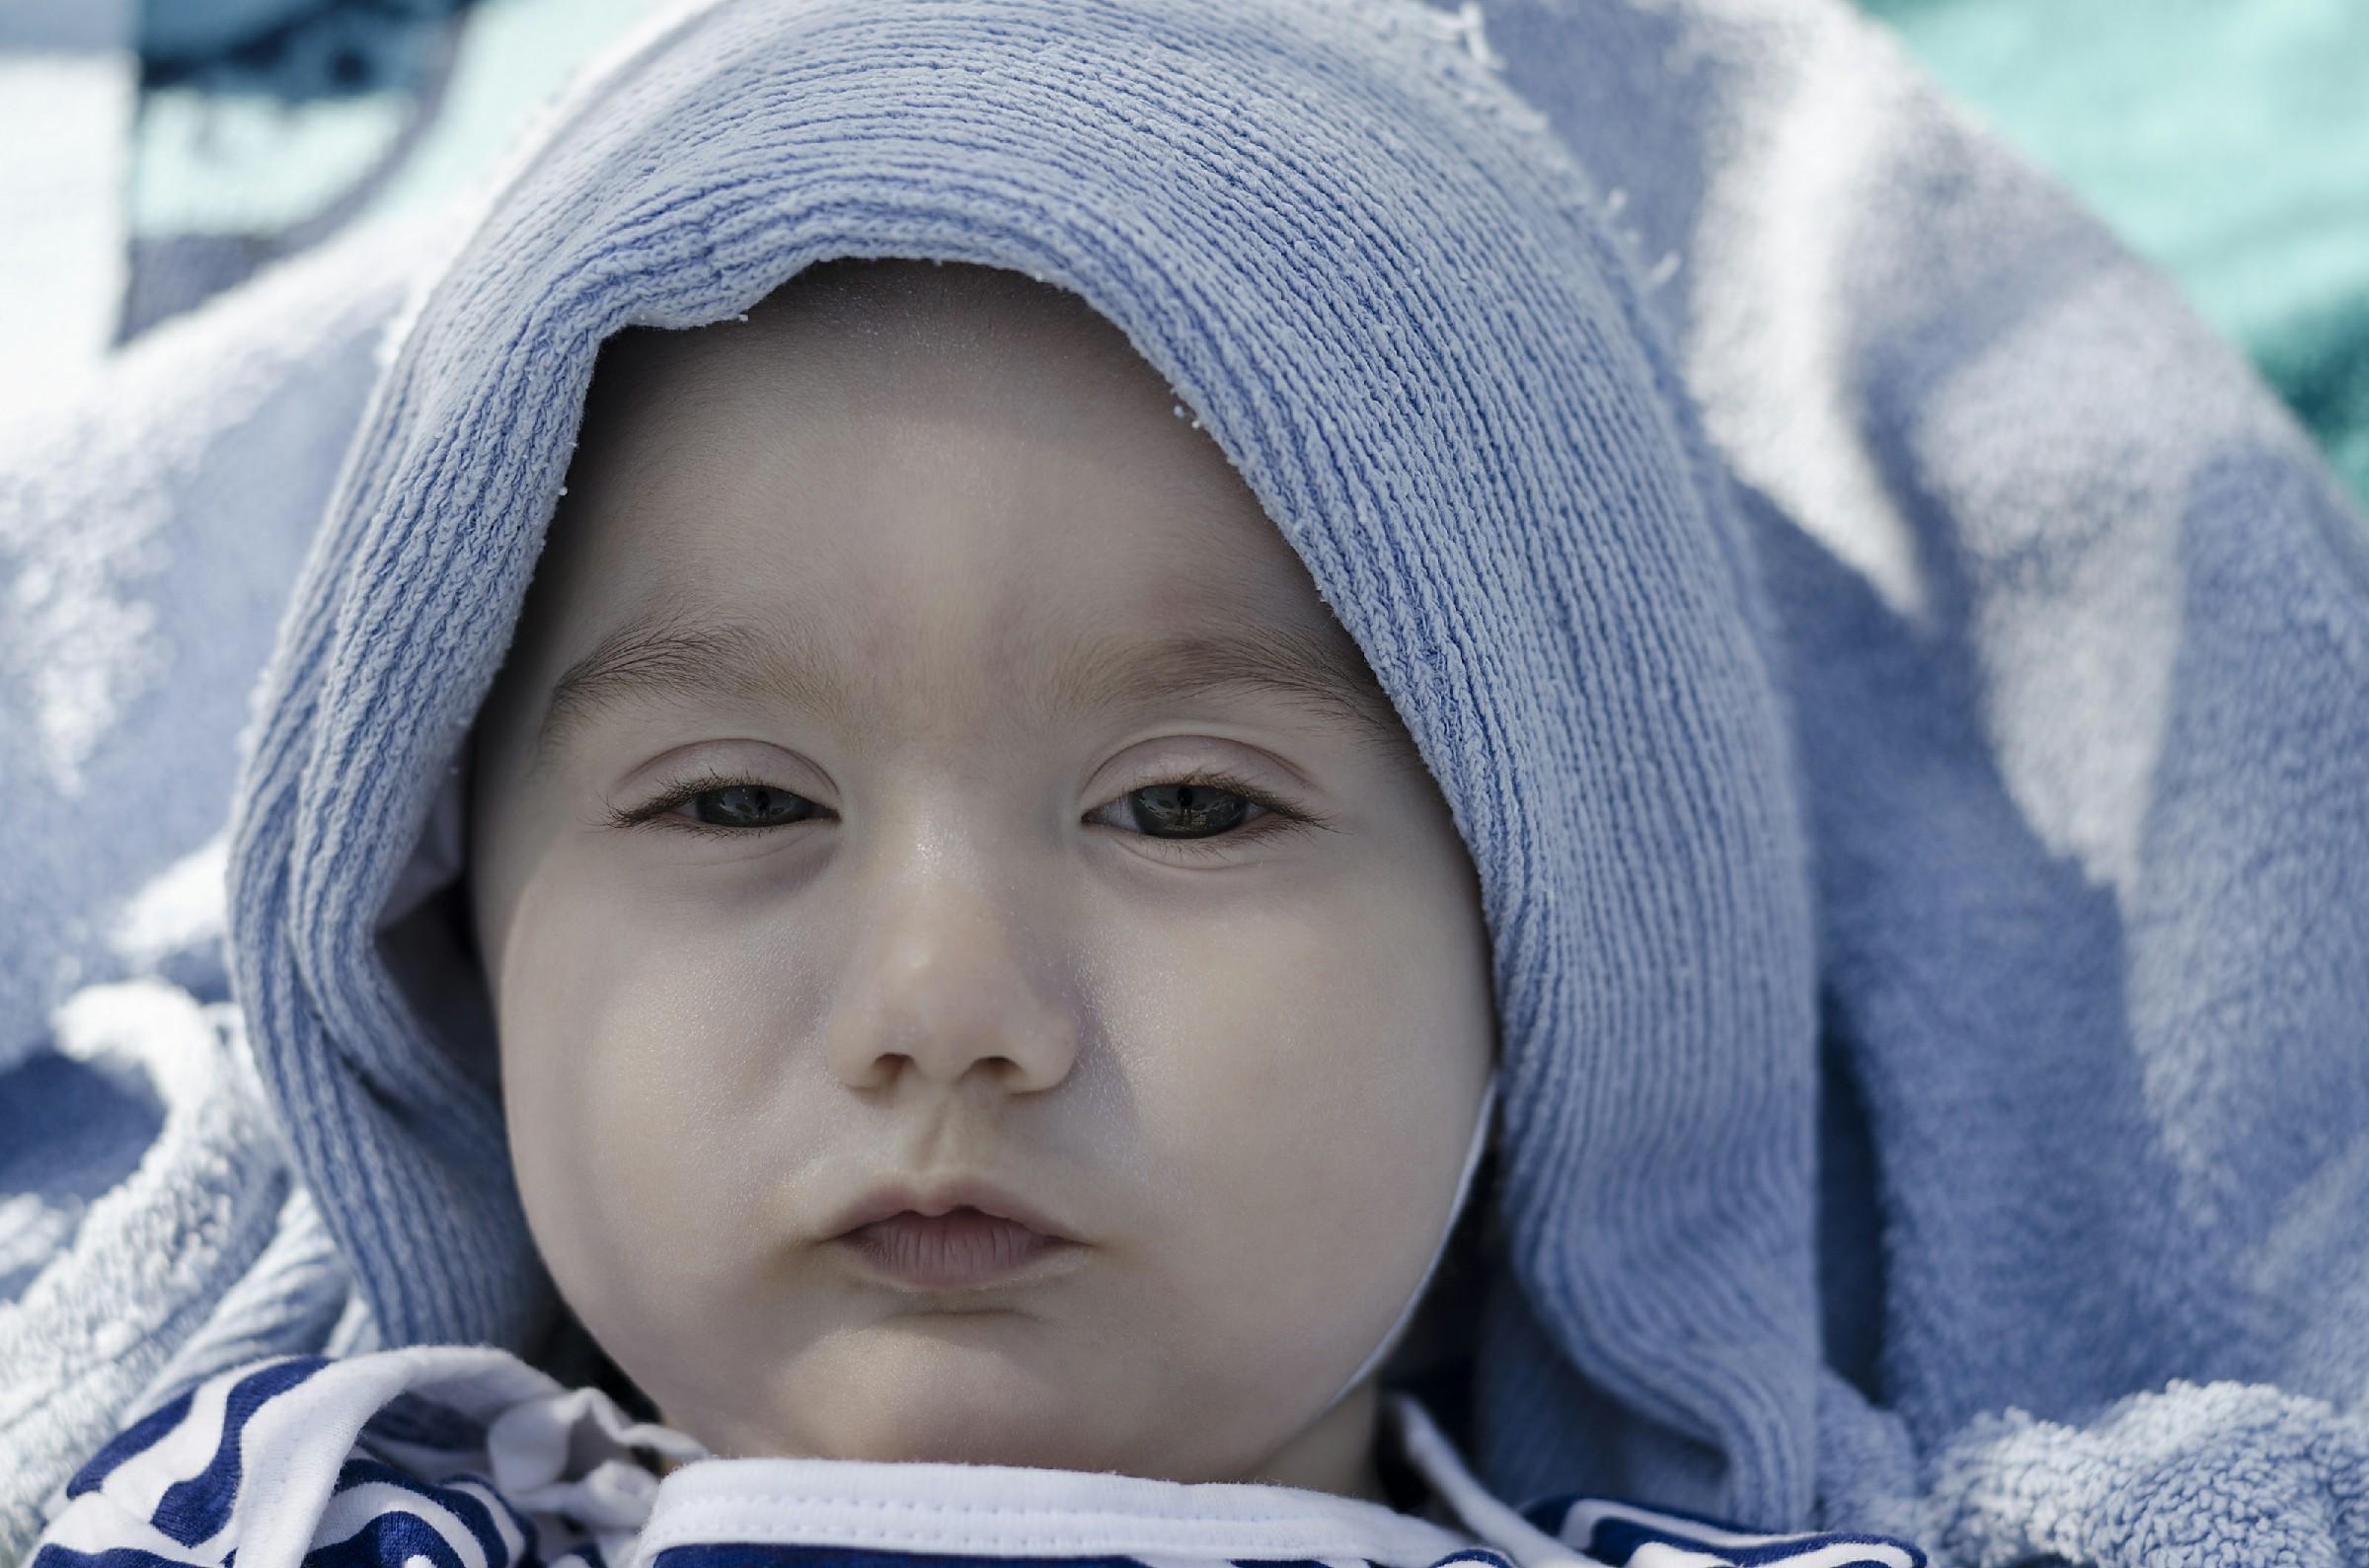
x=930 y=832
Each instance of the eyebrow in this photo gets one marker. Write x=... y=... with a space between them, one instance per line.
x=674 y=654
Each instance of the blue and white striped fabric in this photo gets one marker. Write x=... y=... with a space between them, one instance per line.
x=464 y=1456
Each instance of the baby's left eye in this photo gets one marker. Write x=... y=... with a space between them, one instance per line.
x=1193 y=808
x=1202 y=814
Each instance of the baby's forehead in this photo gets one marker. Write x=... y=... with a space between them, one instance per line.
x=869 y=420
x=691 y=651
x=929 y=490
x=857 y=334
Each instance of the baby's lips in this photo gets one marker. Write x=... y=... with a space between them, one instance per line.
x=930 y=1198
x=958 y=1250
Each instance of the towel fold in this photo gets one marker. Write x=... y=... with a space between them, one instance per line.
x=151 y=1228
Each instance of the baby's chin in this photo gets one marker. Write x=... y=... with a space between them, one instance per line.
x=958 y=1389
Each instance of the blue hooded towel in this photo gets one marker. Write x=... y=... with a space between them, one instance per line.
x=1900 y=682
x=1376 y=275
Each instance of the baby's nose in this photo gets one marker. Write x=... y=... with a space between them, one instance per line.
x=947 y=994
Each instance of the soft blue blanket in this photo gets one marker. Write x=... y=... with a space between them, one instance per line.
x=1901 y=681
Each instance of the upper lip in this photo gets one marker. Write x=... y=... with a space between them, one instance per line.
x=940 y=1197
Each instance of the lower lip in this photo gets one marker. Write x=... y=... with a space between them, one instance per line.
x=951 y=1250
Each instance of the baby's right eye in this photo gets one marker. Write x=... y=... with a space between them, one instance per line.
x=723 y=806
x=746 y=805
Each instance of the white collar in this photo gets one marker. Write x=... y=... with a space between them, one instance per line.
x=1010 y=1511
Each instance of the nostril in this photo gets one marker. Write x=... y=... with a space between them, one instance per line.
x=873 y=1069
x=953 y=1067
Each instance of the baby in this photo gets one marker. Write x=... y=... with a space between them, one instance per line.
x=908 y=893
x=983 y=972
x=981 y=976
x=918 y=919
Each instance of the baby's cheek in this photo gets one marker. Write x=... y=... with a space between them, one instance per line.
x=615 y=1117
x=1300 y=1112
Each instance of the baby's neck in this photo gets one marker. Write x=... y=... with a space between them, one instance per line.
x=1334 y=1455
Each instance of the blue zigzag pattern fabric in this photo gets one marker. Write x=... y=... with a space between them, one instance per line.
x=468 y=1458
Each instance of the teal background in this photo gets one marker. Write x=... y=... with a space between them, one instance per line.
x=2227 y=141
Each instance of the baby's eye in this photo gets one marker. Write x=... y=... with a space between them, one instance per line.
x=744 y=805
x=1184 y=812
x=1204 y=814
x=1188 y=810
x=721 y=805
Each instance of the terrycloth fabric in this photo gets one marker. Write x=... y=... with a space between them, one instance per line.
x=150 y=530
x=2077 y=637
x=468 y=1454
x=1925 y=876
x=1451 y=405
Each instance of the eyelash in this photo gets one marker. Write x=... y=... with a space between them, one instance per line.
x=1281 y=818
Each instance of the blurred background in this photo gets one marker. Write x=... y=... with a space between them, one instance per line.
x=160 y=151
